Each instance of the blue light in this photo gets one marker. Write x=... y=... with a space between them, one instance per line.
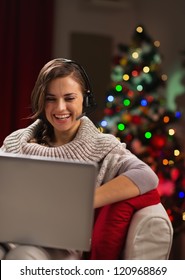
x=177 y=114
x=110 y=98
x=181 y=195
x=144 y=102
x=104 y=123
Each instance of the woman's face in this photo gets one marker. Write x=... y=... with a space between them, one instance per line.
x=63 y=104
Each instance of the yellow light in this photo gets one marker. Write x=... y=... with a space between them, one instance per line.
x=101 y=129
x=183 y=216
x=126 y=77
x=166 y=119
x=135 y=55
x=157 y=43
x=171 y=131
x=176 y=153
x=139 y=29
x=164 y=77
x=123 y=61
x=165 y=162
x=146 y=69
x=171 y=162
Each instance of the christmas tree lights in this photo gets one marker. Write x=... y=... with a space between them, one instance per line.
x=135 y=112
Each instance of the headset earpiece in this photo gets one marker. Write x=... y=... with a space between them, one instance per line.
x=86 y=100
x=89 y=103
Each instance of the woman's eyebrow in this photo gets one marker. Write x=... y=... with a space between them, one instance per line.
x=49 y=94
x=70 y=93
x=65 y=94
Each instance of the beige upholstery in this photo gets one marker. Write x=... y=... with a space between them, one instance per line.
x=150 y=235
x=149 y=238
x=29 y=252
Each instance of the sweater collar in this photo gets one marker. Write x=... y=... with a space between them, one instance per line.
x=88 y=145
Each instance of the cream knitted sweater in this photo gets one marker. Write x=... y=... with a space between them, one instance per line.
x=89 y=145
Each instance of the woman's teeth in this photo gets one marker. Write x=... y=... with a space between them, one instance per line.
x=61 y=117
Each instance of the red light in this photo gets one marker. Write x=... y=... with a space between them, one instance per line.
x=135 y=73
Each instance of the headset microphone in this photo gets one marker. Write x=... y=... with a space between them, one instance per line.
x=80 y=116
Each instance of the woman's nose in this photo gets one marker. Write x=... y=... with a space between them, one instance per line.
x=61 y=104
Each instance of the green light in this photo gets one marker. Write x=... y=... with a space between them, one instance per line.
x=118 y=88
x=139 y=87
x=148 y=135
x=126 y=102
x=121 y=126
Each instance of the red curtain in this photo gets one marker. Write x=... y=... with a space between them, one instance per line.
x=26 y=35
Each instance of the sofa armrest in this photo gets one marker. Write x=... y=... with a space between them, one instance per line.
x=150 y=235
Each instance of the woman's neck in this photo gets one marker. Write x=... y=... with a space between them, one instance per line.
x=62 y=138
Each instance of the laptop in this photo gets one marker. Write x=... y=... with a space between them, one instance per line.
x=46 y=202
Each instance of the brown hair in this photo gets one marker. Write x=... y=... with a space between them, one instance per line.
x=55 y=68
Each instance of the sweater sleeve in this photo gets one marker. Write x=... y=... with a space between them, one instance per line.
x=137 y=171
x=140 y=173
x=2 y=149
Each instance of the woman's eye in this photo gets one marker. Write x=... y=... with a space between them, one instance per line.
x=69 y=98
x=50 y=99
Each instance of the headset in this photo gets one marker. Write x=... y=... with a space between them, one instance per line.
x=89 y=104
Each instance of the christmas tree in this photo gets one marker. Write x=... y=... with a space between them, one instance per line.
x=136 y=113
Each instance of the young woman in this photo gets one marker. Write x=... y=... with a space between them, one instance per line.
x=60 y=100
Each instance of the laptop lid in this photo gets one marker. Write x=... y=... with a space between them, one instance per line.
x=46 y=202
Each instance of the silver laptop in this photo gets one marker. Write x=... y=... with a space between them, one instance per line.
x=46 y=202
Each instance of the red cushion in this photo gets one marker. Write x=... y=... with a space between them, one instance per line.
x=111 y=225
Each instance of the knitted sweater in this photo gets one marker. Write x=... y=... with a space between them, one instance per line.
x=89 y=145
